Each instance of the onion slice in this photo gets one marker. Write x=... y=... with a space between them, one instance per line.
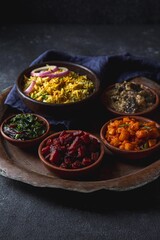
x=44 y=71
x=63 y=72
x=30 y=88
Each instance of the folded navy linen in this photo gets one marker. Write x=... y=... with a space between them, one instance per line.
x=109 y=69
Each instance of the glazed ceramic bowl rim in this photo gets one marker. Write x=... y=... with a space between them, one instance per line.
x=70 y=170
x=59 y=63
x=28 y=140
x=107 y=144
x=147 y=111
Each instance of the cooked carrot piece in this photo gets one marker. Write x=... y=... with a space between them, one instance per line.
x=115 y=142
x=135 y=126
x=129 y=146
x=142 y=133
x=126 y=119
x=111 y=130
x=124 y=135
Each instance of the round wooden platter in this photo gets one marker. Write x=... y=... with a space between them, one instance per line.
x=114 y=174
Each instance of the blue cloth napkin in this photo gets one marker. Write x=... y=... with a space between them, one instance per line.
x=109 y=69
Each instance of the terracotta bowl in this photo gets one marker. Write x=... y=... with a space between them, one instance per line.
x=146 y=112
x=63 y=110
x=28 y=142
x=129 y=153
x=78 y=165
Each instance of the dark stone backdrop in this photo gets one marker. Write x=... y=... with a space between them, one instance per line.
x=80 y=11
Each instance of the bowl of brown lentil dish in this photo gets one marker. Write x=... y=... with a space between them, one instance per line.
x=129 y=98
x=131 y=137
x=57 y=88
x=71 y=154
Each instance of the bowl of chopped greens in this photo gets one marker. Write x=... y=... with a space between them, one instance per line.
x=59 y=89
x=24 y=129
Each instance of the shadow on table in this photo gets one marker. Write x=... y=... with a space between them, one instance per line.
x=146 y=197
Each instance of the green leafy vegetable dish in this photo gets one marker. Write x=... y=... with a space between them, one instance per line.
x=24 y=126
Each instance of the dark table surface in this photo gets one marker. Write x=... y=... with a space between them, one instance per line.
x=35 y=213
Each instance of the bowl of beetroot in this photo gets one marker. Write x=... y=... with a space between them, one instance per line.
x=71 y=154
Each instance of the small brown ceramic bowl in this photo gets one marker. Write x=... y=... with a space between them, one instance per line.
x=60 y=110
x=132 y=139
x=71 y=154
x=119 y=101
x=23 y=136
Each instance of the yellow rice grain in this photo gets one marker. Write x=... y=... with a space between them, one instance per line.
x=71 y=88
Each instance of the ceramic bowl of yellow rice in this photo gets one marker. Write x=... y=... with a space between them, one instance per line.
x=57 y=88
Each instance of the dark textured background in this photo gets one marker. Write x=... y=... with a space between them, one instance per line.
x=84 y=27
x=81 y=11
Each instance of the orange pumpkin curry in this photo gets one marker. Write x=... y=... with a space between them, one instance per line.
x=131 y=134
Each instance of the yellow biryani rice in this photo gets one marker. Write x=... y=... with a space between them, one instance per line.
x=71 y=88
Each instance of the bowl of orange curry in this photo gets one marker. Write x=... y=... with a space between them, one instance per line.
x=131 y=137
